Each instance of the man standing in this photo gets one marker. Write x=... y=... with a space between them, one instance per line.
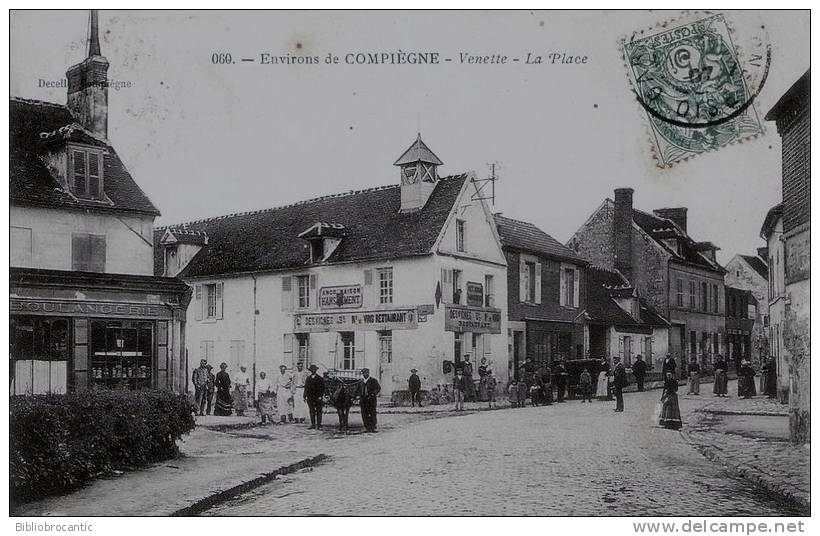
x=313 y=392
x=283 y=393
x=619 y=382
x=459 y=389
x=265 y=401
x=639 y=370
x=299 y=405
x=367 y=392
x=694 y=377
x=467 y=370
x=200 y=381
x=414 y=385
x=560 y=374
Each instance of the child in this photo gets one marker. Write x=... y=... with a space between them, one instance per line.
x=585 y=385
x=535 y=394
x=491 y=384
x=512 y=392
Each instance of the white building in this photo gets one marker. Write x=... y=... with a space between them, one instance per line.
x=388 y=278
x=772 y=233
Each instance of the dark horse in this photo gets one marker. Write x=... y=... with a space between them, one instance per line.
x=341 y=394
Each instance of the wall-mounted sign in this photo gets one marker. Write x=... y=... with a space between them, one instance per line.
x=426 y=309
x=392 y=319
x=473 y=319
x=340 y=297
x=90 y=308
x=475 y=294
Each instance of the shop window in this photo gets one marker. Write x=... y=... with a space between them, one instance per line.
x=348 y=350
x=385 y=285
x=86 y=174
x=88 y=253
x=460 y=228
x=385 y=346
x=121 y=353
x=39 y=350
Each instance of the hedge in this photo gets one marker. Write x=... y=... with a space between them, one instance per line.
x=59 y=442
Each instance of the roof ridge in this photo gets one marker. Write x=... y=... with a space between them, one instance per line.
x=294 y=204
x=38 y=102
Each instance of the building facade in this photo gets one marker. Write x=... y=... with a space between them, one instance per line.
x=86 y=310
x=751 y=273
x=772 y=233
x=677 y=276
x=546 y=294
x=741 y=310
x=792 y=116
x=404 y=276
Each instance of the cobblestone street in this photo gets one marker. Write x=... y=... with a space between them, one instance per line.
x=565 y=459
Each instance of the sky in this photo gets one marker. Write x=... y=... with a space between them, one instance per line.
x=205 y=139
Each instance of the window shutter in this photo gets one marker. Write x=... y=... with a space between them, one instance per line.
x=197 y=302
x=287 y=295
x=287 y=347
x=79 y=173
x=218 y=289
x=446 y=287
x=313 y=282
x=368 y=277
x=93 y=175
x=79 y=253
x=537 y=282
x=97 y=253
x=562 y=298
x=522 y=280
x=576 y=292
x=358 y=349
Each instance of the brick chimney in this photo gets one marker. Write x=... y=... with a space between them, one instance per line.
x=676 y=214
x=88 y=85
x=623 y=231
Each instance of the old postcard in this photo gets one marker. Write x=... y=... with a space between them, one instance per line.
x=410 y=263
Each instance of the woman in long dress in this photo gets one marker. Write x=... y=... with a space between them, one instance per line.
x=483 y=368
x=746 y=380
x=241 y=382
x=720 y=377
x=602 y=390
x=224 y=402
x=670 y=410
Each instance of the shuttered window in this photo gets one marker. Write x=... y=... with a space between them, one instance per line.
x=86 y=179
x=88 y=253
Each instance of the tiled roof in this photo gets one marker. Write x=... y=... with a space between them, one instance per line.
x=418 y=152
x=800 y=91
x=603 y=286
x=518 y=234
x=661 y=227
x=757 y=265
x=268 y=239
x=34 y=127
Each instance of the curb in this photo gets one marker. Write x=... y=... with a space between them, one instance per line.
x=201 y=505
x=748 y=474
x=738 y=412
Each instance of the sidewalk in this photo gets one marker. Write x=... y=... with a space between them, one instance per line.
x=750 y=438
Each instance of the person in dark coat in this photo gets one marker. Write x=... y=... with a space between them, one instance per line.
x=546 y=383
x=618 y=383
x=560 y=376
x=224 y=402
x=459 y=389
x=314 y=392
x=771 y=378
x=639 y=370
x=694 y=377
x=414 y=386
x=368 y=390
x=670 y=410
x=721 y=380
x=746 y=380
x=467 y=370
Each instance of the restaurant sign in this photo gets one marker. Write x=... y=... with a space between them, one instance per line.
x=340 y=297
x=87 y=308
x=473 y=319
x=392 y=319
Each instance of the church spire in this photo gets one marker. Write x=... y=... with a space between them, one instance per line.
x=94 y=34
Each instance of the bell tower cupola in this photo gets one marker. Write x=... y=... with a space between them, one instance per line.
x=419 y=174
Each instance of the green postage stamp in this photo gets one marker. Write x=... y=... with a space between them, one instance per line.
x=689 y=80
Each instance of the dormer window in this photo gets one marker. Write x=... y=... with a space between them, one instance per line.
x=317 y=250
x=86 y=173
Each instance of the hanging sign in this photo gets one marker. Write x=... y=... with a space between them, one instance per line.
x=473 y=319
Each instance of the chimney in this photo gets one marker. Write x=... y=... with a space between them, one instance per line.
x=623 y=231
x=88 y=85
x=676 y=214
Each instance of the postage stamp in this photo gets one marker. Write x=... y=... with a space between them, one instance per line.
x=690 y=81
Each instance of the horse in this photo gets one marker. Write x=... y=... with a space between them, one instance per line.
x=341 y=395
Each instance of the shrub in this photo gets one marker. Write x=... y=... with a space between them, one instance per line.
x=59 y=442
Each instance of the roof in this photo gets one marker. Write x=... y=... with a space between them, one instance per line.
x=757 y=265
x=798 y=93
x=35 y=128
x=517 y=234
x=121 y=282
x=774 y=214
x=603 y=286
x=660 y=228
x=268 y=239
x=418 y=152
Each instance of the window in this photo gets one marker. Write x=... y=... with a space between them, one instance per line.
x=529 y=277
x=704 y=296
x=715 y=344
x=715 y=299
x=476 y=338
x=568 y=275
x=386 y=285
x=303 y=342
x=489 y=291
x=88 y=253
x=646 y=350
x=303 y=286
x=626 y=350
x=692 y=295
x=456 y=286
x=680 y=297
x=39 y=349
x=460 y=235
x=86 y=174
x=348 y=350
x=385 y=346
x=213 y=300
x=693 y=343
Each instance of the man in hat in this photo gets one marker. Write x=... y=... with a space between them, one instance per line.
x=313 y=392
x=283 y=394
x=200 y=380
x=459 y=388
x=300 y=409
x=414 y=385
x=619 y=382
x=368 y=391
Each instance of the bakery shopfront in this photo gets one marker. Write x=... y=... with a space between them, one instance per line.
x=71 y=331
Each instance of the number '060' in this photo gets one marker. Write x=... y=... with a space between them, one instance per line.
x=221 y=58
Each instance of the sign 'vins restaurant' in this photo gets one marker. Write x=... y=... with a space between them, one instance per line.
x=358 y=320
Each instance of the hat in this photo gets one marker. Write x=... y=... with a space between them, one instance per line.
x=414 y=370
x=313 y=368
x=365 y=370
x=283 y=366
x=458 y=370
